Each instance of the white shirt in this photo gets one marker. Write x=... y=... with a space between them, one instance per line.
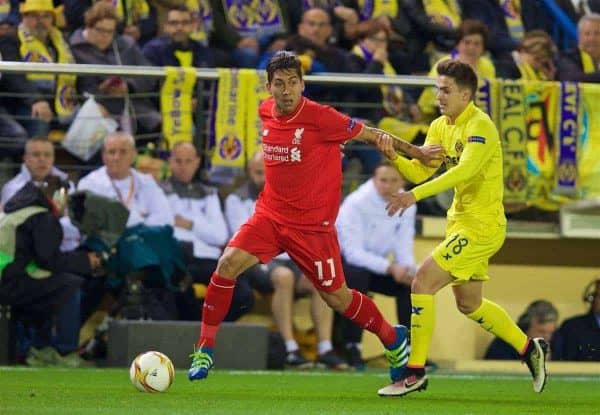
x=209 y=232
x=368 y=235
x=139 y=192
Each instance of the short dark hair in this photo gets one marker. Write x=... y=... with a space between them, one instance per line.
x=281 y=61
x=473 y=27
x=462 y=73
x=179 y=8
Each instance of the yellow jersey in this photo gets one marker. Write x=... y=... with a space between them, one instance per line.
x=473 y=160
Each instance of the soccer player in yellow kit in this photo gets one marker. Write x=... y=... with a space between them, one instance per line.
x=475 y=231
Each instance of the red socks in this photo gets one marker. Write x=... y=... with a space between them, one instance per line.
x=216 y=305
x=363 y=311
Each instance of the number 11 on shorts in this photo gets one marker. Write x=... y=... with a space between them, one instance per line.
x=319 y=265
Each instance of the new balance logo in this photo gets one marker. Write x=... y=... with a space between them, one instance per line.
x=298 y=136
x=327 y=283
x=296 y=154
x=265 y=133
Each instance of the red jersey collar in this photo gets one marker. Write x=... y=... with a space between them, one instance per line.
x=292 y=115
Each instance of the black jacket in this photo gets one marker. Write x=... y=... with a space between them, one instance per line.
x=579 y=339
x=14 y=82
x=570 y=68
x=39 y=237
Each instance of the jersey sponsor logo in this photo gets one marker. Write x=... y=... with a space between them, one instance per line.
x=298 y=136
x=296 y=154
x=476 y=139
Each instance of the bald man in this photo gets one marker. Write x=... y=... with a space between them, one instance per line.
x=201 y=230
x=138 y=192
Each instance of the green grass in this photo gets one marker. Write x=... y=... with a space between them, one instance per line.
x=108 y=391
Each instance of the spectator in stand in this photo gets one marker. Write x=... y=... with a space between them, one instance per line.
x=137 y=18
x=98 y=43
x=9 y=17
x=377 y=250
x=470 y=48
x=12 y=134
x=38 y=167
x=540 y=319
x=507 y=21
x=582 y=64
x=201 y=231
x=39 y=40
x=579 y=337
x=532 y=61
x=41 y=283
x=176 y=47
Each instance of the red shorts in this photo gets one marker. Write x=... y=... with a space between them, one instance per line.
x=317 y=254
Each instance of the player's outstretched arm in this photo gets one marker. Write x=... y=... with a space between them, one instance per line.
x=390 y=144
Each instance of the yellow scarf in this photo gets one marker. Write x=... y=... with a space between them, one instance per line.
x=136 y=10
x=391 y=93
x=203 y=19
x=443 y=12
x=237 y=114
x=512 y=17
x=528 y=73
x=254 y=18
x=373 y=8
x=176 y=104
x=32 y=50
x=587 y=62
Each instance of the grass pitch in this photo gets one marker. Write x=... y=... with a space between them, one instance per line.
x=108 y=391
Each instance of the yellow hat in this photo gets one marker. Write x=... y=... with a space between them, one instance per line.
x=37 y=6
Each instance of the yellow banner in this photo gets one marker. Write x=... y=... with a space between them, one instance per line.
x=232 y=114
x=514 y=142
x=589 y=142
x=541 y=120
x=256 y=94
x=176 y=104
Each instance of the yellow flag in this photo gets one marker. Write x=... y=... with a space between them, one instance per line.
x=176 y=104
x=589 y=142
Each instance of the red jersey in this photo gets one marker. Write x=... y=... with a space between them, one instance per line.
x=303 y=164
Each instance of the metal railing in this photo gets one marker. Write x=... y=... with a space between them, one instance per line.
x=205 y=74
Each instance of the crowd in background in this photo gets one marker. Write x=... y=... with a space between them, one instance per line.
x=183 y=222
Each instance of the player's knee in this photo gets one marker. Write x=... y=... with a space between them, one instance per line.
x=466 y=306
x=282 y=278
x=338 y=300
x=228 y=266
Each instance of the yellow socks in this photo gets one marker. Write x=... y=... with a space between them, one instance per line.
x=491 y=317
x=422 y=321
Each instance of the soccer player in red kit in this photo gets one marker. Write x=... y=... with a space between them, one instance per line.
x=297 y=209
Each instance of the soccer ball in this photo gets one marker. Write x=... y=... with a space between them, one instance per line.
x=151 y=372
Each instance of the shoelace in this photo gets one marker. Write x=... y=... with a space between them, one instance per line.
x=396 y=356
x=201 y=360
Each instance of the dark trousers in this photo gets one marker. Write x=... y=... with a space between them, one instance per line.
x=365 y=281
x=46 y=304
x=201 y=269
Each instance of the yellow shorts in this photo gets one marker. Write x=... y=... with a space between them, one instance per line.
x=466 y=251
